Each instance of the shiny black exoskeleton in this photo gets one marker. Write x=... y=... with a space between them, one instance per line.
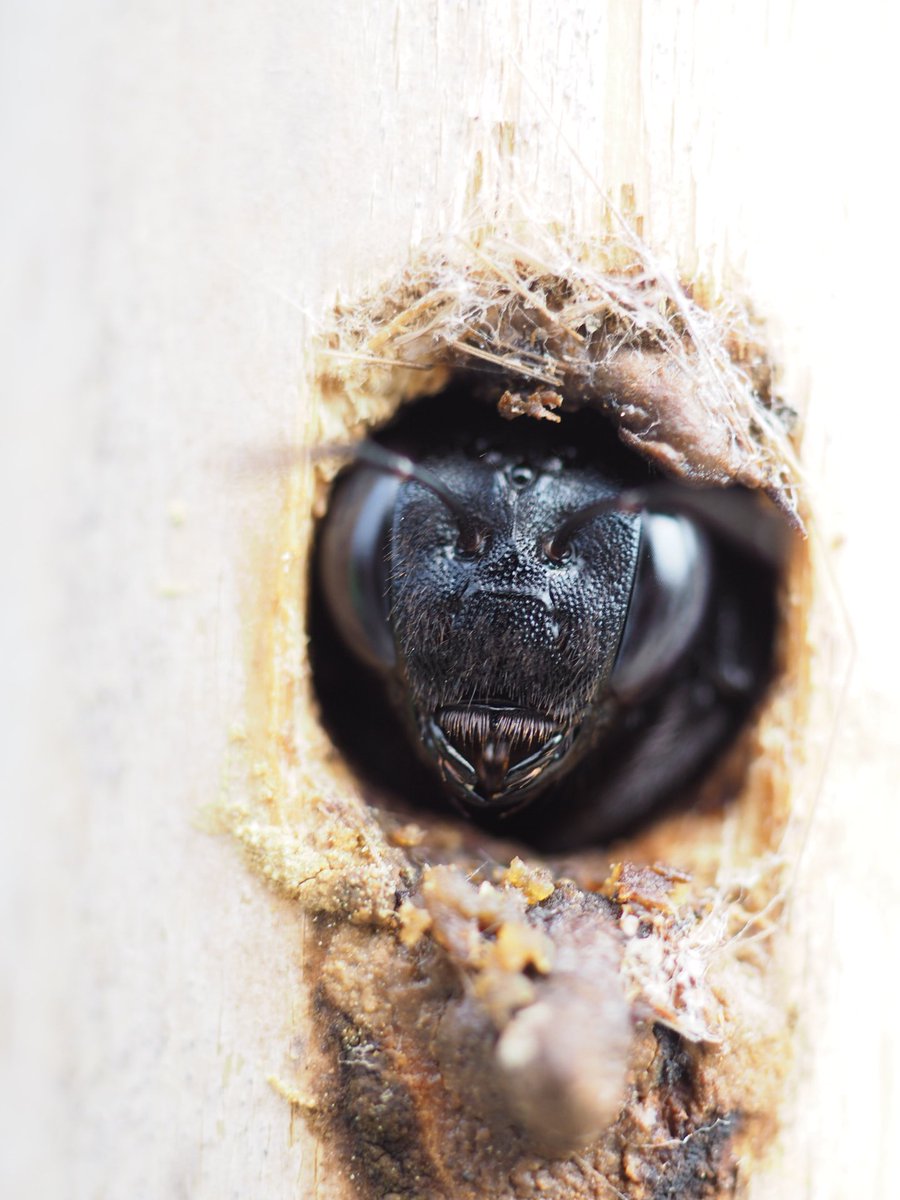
x=565 y=639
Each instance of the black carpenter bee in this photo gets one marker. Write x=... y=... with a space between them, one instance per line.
x=564 y=638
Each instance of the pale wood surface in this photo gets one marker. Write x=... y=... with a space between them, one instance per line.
x=186 y=188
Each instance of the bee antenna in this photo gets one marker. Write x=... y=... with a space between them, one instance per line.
x=758 y=529
x=632 y=501
x=375 y=455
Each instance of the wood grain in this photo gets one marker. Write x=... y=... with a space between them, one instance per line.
x=189 y=188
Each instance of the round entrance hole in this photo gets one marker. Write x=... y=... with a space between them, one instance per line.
x=538 y=631
x=440 y=950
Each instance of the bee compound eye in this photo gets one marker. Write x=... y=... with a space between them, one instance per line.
x=669 y=597
x=354 y=557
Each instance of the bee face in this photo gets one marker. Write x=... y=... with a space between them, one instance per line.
x=548 y=638
x=504 y=651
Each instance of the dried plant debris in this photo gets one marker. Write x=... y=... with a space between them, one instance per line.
x=688 y=386
x=490 y=1023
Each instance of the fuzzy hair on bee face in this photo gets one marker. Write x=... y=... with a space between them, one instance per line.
x=505 y=623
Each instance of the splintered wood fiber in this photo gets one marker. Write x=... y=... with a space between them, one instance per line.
x=486 y=1021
